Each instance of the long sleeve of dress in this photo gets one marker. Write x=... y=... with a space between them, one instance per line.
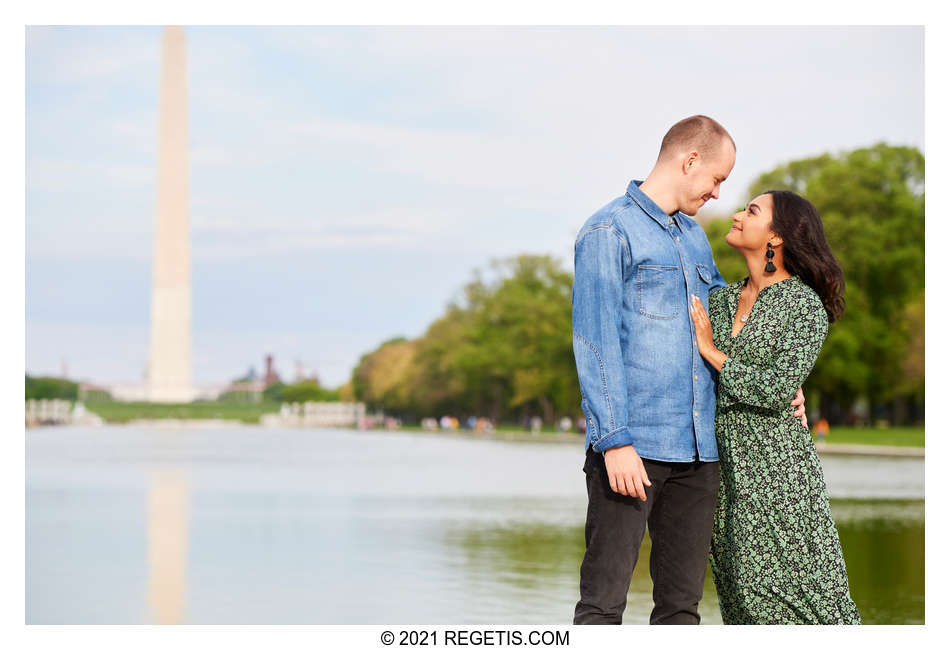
x=796 y=351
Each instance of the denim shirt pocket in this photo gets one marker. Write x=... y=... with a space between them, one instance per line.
x=703 y=271
x=658 y=291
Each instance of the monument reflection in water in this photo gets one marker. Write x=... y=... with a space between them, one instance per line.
x=167 y=545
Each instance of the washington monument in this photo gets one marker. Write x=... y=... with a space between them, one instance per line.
x=169 y=365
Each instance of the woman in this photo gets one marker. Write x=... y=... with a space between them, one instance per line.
x=775 y=556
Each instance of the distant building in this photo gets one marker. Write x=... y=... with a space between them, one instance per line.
x=246 y=390
x=270 y=375
x=88 y=390
x=249 y=388
x=131 y=392
x=299 y=371
x=302 y=373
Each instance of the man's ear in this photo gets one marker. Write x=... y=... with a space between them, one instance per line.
x=690 y=160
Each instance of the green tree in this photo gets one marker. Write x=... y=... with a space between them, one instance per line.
x=520 y=339
x=51 y=388
x=308 y=390
x=384 y=378
x=441 y=385
x=274 y=392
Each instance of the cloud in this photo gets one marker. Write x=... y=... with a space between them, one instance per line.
x=221 y=238
x=77 y=56
x=68 y=175
x=138 y=132
x=476 y=160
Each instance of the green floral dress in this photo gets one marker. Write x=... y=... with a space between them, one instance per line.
x=775 y=554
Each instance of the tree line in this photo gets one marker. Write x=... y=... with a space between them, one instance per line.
x=306 y=390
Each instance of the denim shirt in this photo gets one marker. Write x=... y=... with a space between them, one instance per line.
x=642 y=379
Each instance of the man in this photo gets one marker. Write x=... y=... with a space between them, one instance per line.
x=648 y=396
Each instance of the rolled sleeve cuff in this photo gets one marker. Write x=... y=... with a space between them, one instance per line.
x=727 y=372
x=617 y=438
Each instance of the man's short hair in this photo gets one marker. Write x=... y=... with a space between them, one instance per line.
x=700 y=133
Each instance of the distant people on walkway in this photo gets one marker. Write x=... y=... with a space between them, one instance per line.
x=536 y=424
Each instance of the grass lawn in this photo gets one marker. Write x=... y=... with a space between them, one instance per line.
x=125 y=411
x=251 y=413
x=893 y=436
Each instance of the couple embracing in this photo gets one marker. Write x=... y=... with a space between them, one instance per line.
x=691 y=388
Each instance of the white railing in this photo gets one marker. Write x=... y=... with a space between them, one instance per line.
x=58 y=411
x=317 y=414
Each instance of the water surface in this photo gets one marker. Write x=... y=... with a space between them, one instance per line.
x=255 y=525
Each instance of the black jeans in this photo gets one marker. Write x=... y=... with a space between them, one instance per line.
x=679 y=510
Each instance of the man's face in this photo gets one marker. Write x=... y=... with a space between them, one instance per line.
x=703 y=176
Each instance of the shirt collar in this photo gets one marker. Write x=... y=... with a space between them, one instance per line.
x=650 y=207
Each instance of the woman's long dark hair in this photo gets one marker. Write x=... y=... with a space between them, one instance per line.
x=805 y=250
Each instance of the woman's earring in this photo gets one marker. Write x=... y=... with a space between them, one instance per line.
x=769 y=254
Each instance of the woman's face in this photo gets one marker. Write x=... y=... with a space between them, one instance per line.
x=752 y=227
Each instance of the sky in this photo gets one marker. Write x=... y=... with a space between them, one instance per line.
x=346 y=182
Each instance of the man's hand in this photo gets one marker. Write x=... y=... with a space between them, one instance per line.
x=626 y=472
x=799 y=404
